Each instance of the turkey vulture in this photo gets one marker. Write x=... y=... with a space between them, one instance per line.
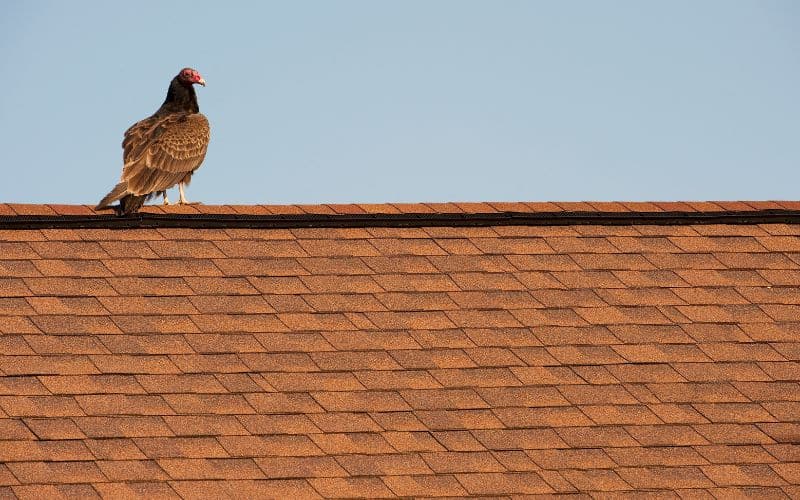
x=164 y=149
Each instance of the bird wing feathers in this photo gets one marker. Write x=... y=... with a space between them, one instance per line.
x=161 y=151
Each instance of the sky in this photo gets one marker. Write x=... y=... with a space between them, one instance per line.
x=363 y=101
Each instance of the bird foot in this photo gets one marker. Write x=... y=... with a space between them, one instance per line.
x=186 y=202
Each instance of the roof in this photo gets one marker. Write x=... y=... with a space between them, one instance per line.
x=401 y=361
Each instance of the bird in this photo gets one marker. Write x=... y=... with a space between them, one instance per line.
x=164 y=149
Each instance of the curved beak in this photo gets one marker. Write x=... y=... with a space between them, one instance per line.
x=202 y=82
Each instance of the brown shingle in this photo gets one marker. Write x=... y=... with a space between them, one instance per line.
x=578 y=458
x=147 y=344
x=166 y=323
x=596 y=480
x=511 y=246
x=393 y=264
x=361 y=401
x=641 y=296
x=68 y=250
x=123 y=426
x=493 y=356
x=210 y=468
x=395 y=320
x=209 y=363
x=260 y=248
x=66 y=344
x=278 y=424
x=165 y=384
x=115 y=449
x=355 y=442
x=355 y=360
x=459 y=419
x=148 y=305
x=126 y=249
x=734 y=412
x=661 y=353
x=729 y=454
x=596 y=436
x=696 y=392
x=69 y=325
x=48 y=451
x=664 y=477
x=335 y=284
x=542 y=417
x=486 y=281
x=428 y=358
x=405 y=379
x=91 y=384
x=369 y=487
x=78 y=306
x=267 y=266
x=222 y=343
x=222 y=404
x=388 y=465
x=450 y=338
x=132 y=470
x=215 y=286
x=519 y=439
x=124 y=363
x=239 y=323
x=42 y=428
x=46 y=365
x=77 y=287
x=340 y=302
x=273 y=488
x=439 y=485
x=406 y=441
x=57 y=472
x=450 y=462
x=316 y=321
x=161 y=267
x=736 y=434
x=488 y=483
x=300 y=467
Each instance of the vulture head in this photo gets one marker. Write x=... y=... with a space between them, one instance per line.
x=189 y=76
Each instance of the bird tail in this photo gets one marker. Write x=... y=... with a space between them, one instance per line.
x=115 y=194
x=128 y=203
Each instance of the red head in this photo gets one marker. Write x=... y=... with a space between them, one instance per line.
x=188 y=76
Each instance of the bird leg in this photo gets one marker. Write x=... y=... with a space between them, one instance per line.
x=182 y=200
x=166 y=200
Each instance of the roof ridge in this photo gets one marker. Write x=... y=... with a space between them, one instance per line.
x=12 y=209
x=409 y=219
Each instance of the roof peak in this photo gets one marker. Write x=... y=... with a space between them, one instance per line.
x=24 y=216
x=17 y=209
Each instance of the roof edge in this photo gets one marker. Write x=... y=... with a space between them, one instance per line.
x=315 y=220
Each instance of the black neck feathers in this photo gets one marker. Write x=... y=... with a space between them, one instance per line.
x=181 y=98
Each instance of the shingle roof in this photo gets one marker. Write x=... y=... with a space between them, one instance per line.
x=418 y=361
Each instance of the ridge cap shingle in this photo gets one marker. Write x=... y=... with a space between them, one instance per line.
x=11 y=209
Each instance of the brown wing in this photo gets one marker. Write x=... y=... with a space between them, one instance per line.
x=160 y=151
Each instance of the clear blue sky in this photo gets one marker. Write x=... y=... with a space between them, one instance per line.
x=412 y=100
